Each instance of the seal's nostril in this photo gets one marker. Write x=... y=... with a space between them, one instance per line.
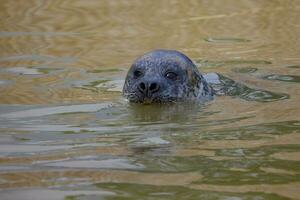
x=142 y=87
x=154 y=87
x=148 y=88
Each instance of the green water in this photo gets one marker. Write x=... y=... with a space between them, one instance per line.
x=67 y=133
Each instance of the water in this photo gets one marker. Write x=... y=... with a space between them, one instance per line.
x=66 y=132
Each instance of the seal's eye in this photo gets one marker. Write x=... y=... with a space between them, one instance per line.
x=171 y=75
x=137 y=73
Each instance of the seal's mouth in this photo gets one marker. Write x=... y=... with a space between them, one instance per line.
x=147 y=101
x=161 y=98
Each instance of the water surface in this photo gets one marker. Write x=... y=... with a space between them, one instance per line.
x=66 y=132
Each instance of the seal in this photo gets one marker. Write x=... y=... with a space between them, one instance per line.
x=163 y=76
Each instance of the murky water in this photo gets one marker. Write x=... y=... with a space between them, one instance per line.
x=66 y=132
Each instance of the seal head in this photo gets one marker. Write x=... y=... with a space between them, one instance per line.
x=163 y=76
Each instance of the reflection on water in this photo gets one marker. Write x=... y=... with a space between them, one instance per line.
x=287 y=78
x=231 y=88
x=66 y=132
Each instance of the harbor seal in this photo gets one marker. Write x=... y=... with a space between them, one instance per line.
x=163 y=76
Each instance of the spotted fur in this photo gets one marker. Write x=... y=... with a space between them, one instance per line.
x=189 y=86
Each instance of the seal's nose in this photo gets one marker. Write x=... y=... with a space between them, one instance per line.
x=148 y=88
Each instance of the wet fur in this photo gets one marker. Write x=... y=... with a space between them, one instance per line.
x=193 y=87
